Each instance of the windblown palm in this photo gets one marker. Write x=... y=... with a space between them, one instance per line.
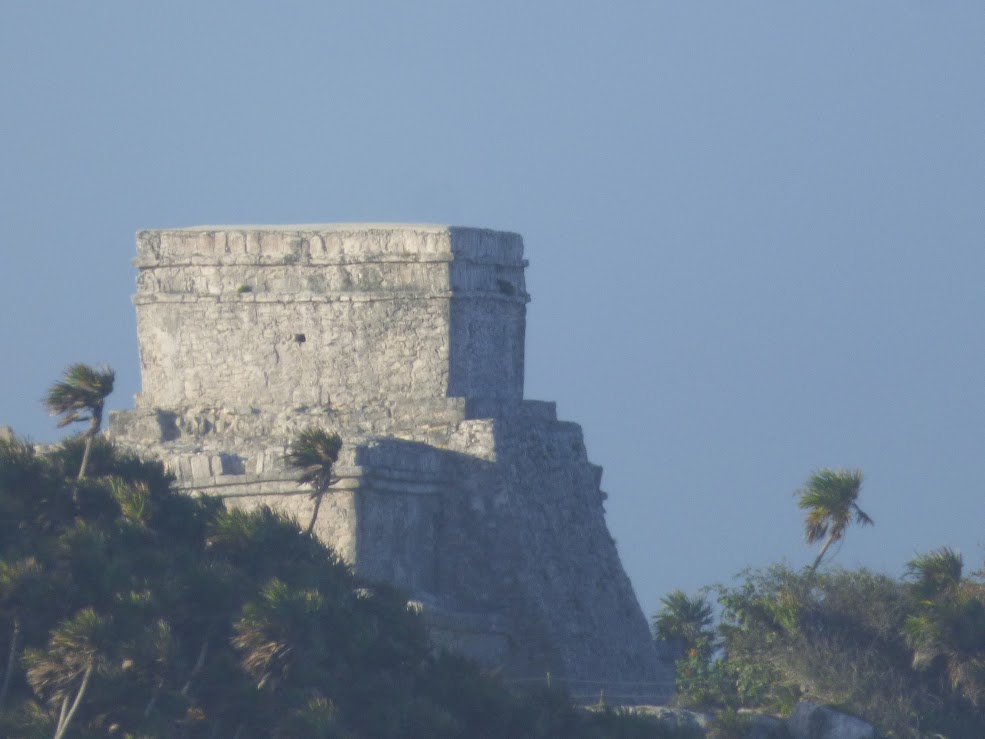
x=830 y=498
x=315 y=452
x=80 y=397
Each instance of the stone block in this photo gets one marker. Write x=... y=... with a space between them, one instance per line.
x=811 y=721
x=201 y=469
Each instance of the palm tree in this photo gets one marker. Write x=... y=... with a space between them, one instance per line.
x=80 y=397
x=684 y=618
x=281 y=636
x=314 y=452
x=830 y=498
x=62 y=672
x=936 y=573
x=948 y=628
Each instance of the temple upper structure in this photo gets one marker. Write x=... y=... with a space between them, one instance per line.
x=340 y=316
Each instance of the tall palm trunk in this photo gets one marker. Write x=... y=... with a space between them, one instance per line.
x=824 y=548
x=314 y=514
x=11 y=658
x=94 y=424
x=65 y=718
x=198 y=663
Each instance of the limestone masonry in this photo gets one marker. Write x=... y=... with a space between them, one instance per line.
x=408 y=340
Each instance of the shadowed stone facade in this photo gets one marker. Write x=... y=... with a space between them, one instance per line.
x=408 y=340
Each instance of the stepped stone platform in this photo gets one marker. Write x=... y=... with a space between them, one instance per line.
x=407 y=340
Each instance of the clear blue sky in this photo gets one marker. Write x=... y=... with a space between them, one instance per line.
x=755 y=229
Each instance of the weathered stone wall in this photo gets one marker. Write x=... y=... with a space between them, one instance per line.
x=481 y=505
x=336 y=316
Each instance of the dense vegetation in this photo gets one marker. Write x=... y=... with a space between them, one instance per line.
x=128 y=609
x=131 y=610
x=906 y=655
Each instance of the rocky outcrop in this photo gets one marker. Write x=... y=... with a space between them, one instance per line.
x=808 y=721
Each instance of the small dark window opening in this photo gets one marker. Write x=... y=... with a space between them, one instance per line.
x=299 y=338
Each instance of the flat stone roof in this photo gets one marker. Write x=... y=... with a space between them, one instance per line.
x=330 y=227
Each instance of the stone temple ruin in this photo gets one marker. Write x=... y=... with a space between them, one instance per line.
x=408 y=340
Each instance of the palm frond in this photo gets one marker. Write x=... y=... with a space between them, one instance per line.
x=275 y=631
x=815 y=527
x=683 y=617
x=77 y=643
x=133 y=498
x=315 y=452
x=80 y=394
x=862 y=518
x=937 y=571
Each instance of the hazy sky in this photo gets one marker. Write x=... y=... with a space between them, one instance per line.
x=755 y=229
